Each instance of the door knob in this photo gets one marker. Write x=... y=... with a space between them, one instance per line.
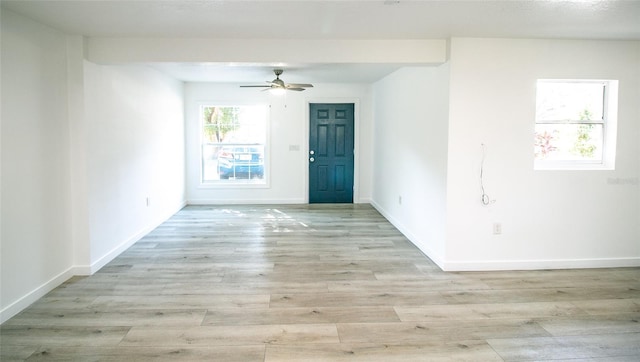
x=312 y=152
x=311 y=159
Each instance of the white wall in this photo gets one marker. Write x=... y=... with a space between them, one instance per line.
x=288 y=127
x=410 y=138
x=83 y=147
x=135 y=150
x=549 y=218
x=36 y=248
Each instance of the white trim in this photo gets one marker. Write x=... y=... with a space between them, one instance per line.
x=246 y=202
x=428 y=252
x=19 y=305
x=506 y=265
x=541 y=165
x=501 y=265
x=39 y=292
x=364 y=200
x=293 y=201
x=229 y=184
x=217 y=185
x=609 y=125
x=108 y=257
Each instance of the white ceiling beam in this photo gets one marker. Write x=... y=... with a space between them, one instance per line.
x=189 y=50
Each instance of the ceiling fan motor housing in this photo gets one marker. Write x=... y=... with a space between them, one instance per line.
x=280 y=84
x=277 y=83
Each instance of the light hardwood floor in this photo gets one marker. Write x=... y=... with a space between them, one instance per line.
x=319 y=283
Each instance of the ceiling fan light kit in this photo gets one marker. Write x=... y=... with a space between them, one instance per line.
x=278 y=85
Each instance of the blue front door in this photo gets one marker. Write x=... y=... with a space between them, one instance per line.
x=331 y=140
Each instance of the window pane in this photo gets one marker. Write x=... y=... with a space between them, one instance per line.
x=233 y=145
x=241 y=162
x=210 y=162
x=569 y=101
x=568 y=142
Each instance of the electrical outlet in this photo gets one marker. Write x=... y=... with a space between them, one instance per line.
x=148 y=201
x=399 y=200
x=497 y=228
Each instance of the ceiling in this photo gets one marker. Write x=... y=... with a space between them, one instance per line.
x=307 y=19
x=311 y=19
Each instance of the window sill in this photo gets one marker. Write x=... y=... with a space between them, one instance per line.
x=233 y=185
x=571 y=166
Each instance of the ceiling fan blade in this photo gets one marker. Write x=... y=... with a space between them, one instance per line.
x=295 y=89
x=299 y=85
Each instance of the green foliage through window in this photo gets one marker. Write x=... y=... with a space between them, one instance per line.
x=570 y=120
x=218 y=121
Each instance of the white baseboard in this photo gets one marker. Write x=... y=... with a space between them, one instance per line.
x=294 y=201
x=497 y=265
x=39 y=292
x=409 y=235
x=113 y=253
x=245 y=202
x=126 y=244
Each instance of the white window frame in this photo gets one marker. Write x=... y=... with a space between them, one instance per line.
x=241 y=183
x=609 y=129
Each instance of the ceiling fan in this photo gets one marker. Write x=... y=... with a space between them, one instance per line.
x=280 y=84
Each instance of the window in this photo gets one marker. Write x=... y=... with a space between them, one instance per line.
x=575 y=124
x=233 y=144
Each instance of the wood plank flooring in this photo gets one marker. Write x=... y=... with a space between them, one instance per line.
x=319 y=283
